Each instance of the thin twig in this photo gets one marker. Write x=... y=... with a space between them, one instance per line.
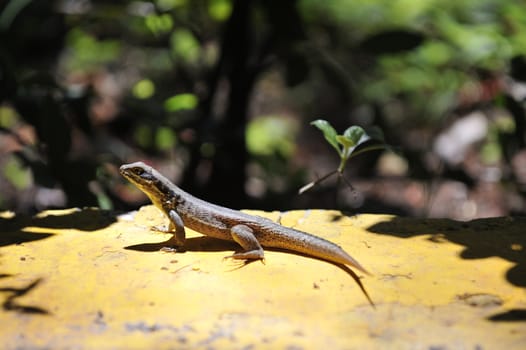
x=314 y=183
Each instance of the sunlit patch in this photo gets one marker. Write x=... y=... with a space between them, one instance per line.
x=516 y=247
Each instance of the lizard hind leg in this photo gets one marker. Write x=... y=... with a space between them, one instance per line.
x=244 y=236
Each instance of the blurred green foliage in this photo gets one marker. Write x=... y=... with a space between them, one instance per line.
x=16 y=173
x=86 y=53
x=461 y=37
x=180 y=102
x=159 y=24
x=220 y=10
x=145 y=88
x=272 y=134
x=207 y=81
x=185 y=46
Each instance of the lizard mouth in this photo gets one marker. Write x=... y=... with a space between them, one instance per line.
x=127 y=173
x=137 y=170
x=136 y=174
x=142 y=176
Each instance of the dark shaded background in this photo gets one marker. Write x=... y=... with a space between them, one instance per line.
x=218 y=95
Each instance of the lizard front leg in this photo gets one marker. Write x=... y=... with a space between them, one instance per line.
x=244 y=236
x=176 y=227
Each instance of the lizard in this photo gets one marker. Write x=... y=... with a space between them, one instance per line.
x=249 y=231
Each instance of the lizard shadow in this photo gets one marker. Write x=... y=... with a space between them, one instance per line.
x=192 y=244
x=345 y=268
x=210 y=244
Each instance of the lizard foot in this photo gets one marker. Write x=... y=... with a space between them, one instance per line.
x=161 y=229
x=249 y=256
x=173 y=245
x=168 y=249
x=172 y=249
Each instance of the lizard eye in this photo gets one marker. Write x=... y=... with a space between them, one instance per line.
x=143 y=174
x=146 y=175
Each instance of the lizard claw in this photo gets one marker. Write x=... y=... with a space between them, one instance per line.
x=172 y=249
x=243 y=263
x=160 y=229
x=241 y=256
x=168 y=249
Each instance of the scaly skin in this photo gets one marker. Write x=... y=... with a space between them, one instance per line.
x=251 y=232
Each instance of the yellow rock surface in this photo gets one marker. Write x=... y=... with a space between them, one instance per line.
x=88 y=279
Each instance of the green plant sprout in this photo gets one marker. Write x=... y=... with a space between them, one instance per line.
x=347 y=147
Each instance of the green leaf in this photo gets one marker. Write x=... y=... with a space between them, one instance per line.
x=345 y=141
x=348 y=148
x=328 y=132
x=355 y=135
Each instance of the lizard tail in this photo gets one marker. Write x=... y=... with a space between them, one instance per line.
x=315 y=246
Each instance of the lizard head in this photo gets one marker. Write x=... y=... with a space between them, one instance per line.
x=147 y=179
